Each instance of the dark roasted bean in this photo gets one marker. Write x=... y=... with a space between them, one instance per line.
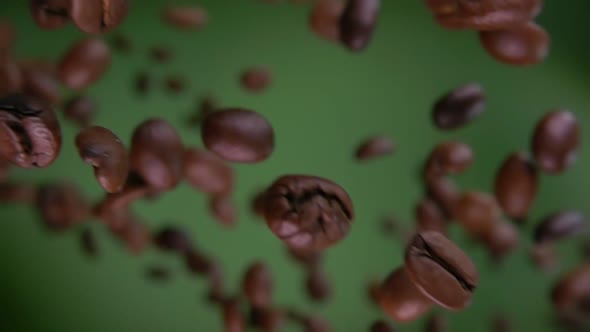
x=570 y=294
x=134 y=234
x=308 y=212
x=374 y=147
x=172 y=238
x=196 y=262
x=522 y=45
x=267 y=319
x=135 y=188
x=544 y=256
x=233 y=319
x=560 y=225
x=444 y=192
x=256 y=79
x=315 y=324
x=430 y=217
x=459 y=107
x=216 y=281
x=185 y=17
x=80 y=110
x=357 y=23
x=556 y=141
x=258 y=202
x=400 y=299
x=317 y=285
x=49 y=14
x=257 y=285
x=207 y=172
x=501 y=240
x=448 y=158
x=381 y=326
x=61 y=206
x=88 y=242
x=516 y=185
x=324 y=19
x=477 y=212
x=84 y=63
x=222 y=208
x=11 y=192
x=98 y=16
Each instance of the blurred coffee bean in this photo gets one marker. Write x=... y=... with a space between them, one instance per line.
x=570 y=293
x=459 y=107
x=98 y=16
x=315 y=324
x=317 y=285
x=61 y=206
x=206 y=106
x=216 y=281
x=222 y=208
x=477 y=213
x=257 y=285
x=160 y=54
x=448 y=158
x=80 y=110
x=308 y=258
x=103 y=150
x=256 y=79
x=11 y=77
x=134 y=189
x=560 y=225
x=157 y=154
x=267 y=319
x=544 y=256
x=88 y=242
x=5 y=167
x=483 y=14
x=29 y=132
x=444 y=193
x=7 y=37
x=374 y=147
x=185 y=17
x=400 y=300
x=171 y=238
x=441 y=270
x=41 y=82
x=121 y=43
x=233 y=319
x=501 y=240
x=556 y=141
x=49 y=14
x=324 y=19
x=258 y=201
x=84 y=63
x=134 y=234
x=14 y=192
x=381 y=326
x=175 y=84
x=436 y=323
x=523 y=45
x=374 y=291
x=308 y=212
x=430 y=217
x=207 y=172
x=516 y=185
x=158 y=273
x=238 y=135
x=143 y=83
x=196 y=262
x=501 y=324
x=357 y=23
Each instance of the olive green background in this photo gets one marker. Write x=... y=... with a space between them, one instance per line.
x=322 y=102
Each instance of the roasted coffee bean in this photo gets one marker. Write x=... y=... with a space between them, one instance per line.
x=315 y=324
x=135 y=188
x=206 y=106
x=98 y=16
x=501 y=324
x=357 y=23
x=222 y=208
x=459 y=107
x=400 y=299
x=523 y=45
x=30 y=134
x=216 y=281
x=134 y=234
x=560 y=225
x=374 y=147
x=157 y=154
x=7 y=37
x=477 y=212
x=501 y=240
x=308 y=212
x=233 y=319
x=317 y=285
x=158 y=273
x=436 y=323
x=175 y=84
x=483 y=14
x=308 y=258
x=61 y=206
x=84 y=63
x=430 y=217
x=256 y=79
x=185 y=17
x=49 y=14
x=374 y=291
x=444 y=193
x=238 y=135
x=257 y=285
x=103 y=150
x=544 y=256
x=441 y=270
x=121 y=43
x=324 y=19
x=80 y=110
x=160 y=54
x=143 y=83
x=41 y=83
x=258 y=202
x=196 y=262
x=88 y=242
x=516 y=185
x=556 y=141
x=381 y=326
x=11 y=76
x=267 y=319
x=207 y=172
x=448 y=158
x=571 y=291
x=12 y=192
x=171 y=238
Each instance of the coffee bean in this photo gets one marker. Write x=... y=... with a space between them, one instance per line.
x=315 y=324
x=84 y=63
x=501 y=324
x=257 y=285
x=560 y=225
x=357 y=23
x=80 y=110
x=448 y=158
x=207 y=172
x=98 y=16
x=11 y=77
x=206 y=106
x=41 y=82
x=308 y=258
x=88 y=242
x=233 y=320
x=374 y=291
x=103 y=150
x=157 y=154
x=459 y=107
x=523 y=45
x=121 y=43
x=216 y=281
x=185 y=17
x=324 y=19
x=374 y=147
x=30 y=132
x=516 y=185
x=544 y=256
x=571 y=291
x=400 y=300
x=13 y=192
x=7 y=36
x=267 y=319
x=443 y=192
x=222 y=208
x=477 y=212
x=441 y=270
x=49 y=14
x=501 y=240
x=238 y=135
x=258 y=203
x=171 y=238
x=381 y=326
x=308 y=212
x=317 y=285
x=556 y=141
x=158 y=273
x=175 y=84
x=436 y=323
x=256 y=79
x=196 y=262
x=61 y=206
x=134 y=234
x=483 y=14
x=134 y=189
x=430 y=217
x=160 y=54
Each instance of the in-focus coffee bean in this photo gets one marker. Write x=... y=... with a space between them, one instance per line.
x=308 y=212
x=400 y=300
x=98 y=16
x=357 y=22
x=459 y=107
x=208 y=173
x=257 y=285
x=324 y=19
x=185 y=17
x=103 y=150
x=477 y=212
x=81 y=110
x=381 y=326
x=448 y=158
x=88 y=242
x=256 y=79
x=560 y=225
x=374 y=147
x=172 y=238
x=84 y=63
x=238 y=135
x=317 y=285
x=441 y=270
x=556 y=141
x=61 y=206
x=30 y=134
x=222 y=209
x=49 y=14
x=522 y=45
x=515 y=186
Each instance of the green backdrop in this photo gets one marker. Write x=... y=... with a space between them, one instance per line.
x=323 y=101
